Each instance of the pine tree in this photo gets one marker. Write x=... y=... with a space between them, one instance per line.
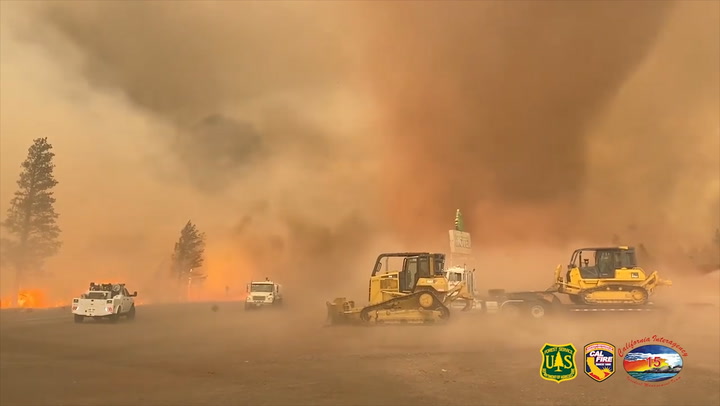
x=459 y=223
x=188 y=254
x=558 y=362
x=31 y=218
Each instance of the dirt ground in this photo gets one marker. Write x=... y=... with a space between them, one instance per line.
x=190 y=355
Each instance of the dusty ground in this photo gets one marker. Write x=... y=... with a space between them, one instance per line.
x=190 y=355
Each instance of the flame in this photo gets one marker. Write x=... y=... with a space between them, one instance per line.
x=30 y=299
x=5 y=303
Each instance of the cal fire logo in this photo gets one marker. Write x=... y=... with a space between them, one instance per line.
x=599 y=360
x=558 y=362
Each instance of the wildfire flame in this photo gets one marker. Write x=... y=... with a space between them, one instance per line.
x=37 y=298
x=5 y=303
x=30 y=299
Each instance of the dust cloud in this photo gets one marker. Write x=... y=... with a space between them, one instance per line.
x=305 y=138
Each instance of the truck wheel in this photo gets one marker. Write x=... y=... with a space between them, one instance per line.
x=78 y=318
x=537 y=310
x=510 y=310
x=115 y=317
x=131 y=313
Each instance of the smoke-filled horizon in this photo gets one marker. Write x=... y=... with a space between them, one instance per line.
x=305 y=137
x=553 y=121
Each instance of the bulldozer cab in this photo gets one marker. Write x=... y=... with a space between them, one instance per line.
x=415 y=265
x=601 y=263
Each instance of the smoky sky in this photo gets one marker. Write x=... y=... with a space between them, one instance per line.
x=494 y=104
x=188 y=60
x=196 y=65
x=244 y=99
x=542 y=121
x=504 y=93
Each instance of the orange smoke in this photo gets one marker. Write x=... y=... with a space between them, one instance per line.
x=206 y=295
x=228 y=271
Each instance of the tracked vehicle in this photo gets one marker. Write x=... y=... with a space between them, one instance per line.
x=418 y=293
x=600 y=276
x=597 y=280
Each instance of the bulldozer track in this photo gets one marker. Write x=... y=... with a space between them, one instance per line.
x=641 y=309
x=641 y=293
x=400 y=304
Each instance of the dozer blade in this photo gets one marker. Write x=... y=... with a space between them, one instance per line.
x=654 y=280
x=457 y=294
x=341 y=311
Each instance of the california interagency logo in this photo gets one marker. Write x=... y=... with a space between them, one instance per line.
x=649 y=365
x=558 y=362
x=599 y=360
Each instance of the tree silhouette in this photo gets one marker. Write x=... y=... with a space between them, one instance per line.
x=188 y=254
x=459 y=223
x=558 y=362
x=31 y=218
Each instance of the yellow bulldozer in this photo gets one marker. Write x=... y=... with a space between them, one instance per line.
x=418 y=293
x=611 y=275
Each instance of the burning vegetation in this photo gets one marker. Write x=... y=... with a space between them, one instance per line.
x=31 y=299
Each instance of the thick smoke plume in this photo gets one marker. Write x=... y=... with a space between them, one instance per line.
x=235 y=115
x=297 y=135
x=552 y=121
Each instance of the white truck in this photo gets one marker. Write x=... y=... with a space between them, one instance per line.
x=457 y=274
x=104 y=301
x=263 y=293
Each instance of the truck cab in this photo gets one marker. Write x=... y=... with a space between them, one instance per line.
x=458 y=274
x=263 y=293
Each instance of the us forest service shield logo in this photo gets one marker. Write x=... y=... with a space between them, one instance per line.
x=599 y=360
x=558 y=363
